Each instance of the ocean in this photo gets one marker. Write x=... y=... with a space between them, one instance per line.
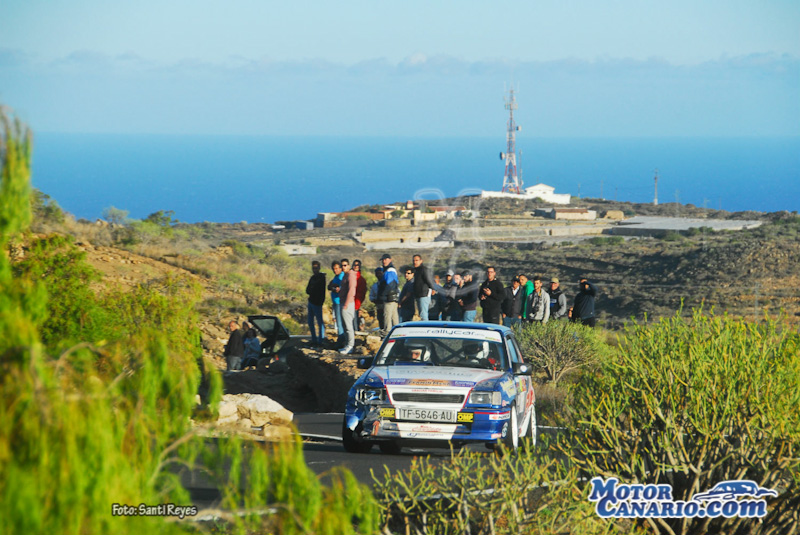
x=267 y=179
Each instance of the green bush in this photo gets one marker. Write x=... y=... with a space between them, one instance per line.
x=108 y=420
x=692 y=403
x=606 y=240
x=73 y=312
x=672 y=236
x=46 y=209
x=559 y=347
x=482 y=493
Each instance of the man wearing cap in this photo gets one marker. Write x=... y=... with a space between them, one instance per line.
x=388 y=293
x=558 y=300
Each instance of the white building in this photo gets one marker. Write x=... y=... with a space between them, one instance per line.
x=541 y=191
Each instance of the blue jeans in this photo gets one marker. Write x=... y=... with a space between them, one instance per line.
x=469 y=316
x=406 y=315
x=315 y=313
x=337 y=315
x=422 y=307
x=511 y=322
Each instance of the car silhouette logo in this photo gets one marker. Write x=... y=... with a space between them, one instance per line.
x=729 y=490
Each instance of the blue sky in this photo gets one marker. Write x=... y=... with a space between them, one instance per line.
x=435 y=68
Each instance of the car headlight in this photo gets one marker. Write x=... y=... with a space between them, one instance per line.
x=370 y=395
x=485 y=398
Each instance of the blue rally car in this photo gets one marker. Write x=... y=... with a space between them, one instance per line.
x=435 y=383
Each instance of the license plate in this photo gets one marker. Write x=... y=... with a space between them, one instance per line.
x=427 y=415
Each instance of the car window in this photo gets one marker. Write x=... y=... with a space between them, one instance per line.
x=455 y=352
x=513 y=350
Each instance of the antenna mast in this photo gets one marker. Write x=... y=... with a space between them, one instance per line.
x=511 y=181
x=655 y=199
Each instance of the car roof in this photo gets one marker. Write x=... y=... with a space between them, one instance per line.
x=502 y=329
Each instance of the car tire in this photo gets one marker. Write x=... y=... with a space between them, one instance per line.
x=351 y=445
x=511 y=435
x=390 y=448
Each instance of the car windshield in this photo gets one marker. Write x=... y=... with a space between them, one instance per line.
x=450 y=351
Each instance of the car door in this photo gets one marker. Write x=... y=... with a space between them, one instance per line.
x=521 y=382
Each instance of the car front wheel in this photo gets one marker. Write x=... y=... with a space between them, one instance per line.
x=511 y=431
x=351 y=444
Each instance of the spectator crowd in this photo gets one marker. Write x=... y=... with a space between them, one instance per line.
x=455 y=298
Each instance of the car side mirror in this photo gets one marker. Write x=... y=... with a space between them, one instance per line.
x=522 y=369
x=365 y=363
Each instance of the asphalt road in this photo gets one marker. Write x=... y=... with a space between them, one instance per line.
x=322 y=446
x=323 y=449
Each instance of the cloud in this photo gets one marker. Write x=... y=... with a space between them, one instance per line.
x=420 y=95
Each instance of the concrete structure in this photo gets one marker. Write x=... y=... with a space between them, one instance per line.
x=547 y=194
x=427 y=245
x=541 y=191
x=614 y=214
x=296 y=249
x=659 y=226
x=573 y=214
x=448 y=212
x=517 y=234
x=408 y=235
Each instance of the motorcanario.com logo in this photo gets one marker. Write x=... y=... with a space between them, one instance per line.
x=739 y=497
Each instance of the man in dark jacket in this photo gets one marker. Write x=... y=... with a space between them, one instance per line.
x=388 y=293
x=234 y=349
x=316 y=298
x=406 y=302
x=492 y=294
x=423 y=286
x=583 y=308
x=512 y=306
x=467 y=297
x=452 y=311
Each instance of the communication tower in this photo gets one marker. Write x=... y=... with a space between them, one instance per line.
x=655 y=199
x=511 y=181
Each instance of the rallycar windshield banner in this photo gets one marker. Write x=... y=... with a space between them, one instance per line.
x=445 y=332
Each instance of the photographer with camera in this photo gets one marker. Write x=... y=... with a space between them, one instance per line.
x=583 y=308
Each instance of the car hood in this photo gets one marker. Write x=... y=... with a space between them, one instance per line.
x=434 y=376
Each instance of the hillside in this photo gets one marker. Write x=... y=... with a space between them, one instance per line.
x=242 y=272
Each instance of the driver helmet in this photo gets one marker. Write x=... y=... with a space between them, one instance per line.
x=474 y=350
x=416 y=352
